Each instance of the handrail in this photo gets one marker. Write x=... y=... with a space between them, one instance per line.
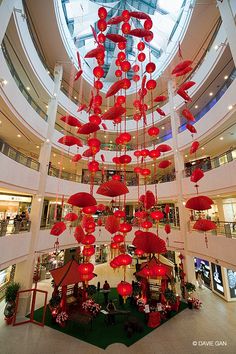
x=11 y=226
x=20 y=85
x=17 y=156
x=226 y=228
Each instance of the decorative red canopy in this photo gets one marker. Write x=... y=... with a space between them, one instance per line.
x=67 y=274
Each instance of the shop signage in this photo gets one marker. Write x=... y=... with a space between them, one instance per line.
x=217 y=278
x=232 y=282
x=14 y=198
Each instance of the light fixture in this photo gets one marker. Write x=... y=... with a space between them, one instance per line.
x=186 y=155
x=226 y=77
x=39 y=199
x=105 y=136
x=0 y=122
x=184 y=203
x=47 y=140
x=203 y=148
x=63 y=168
x=59 y=163
x=46 y=106
x=18 y=136
x=3 y=82
x=105 y=110
x=230 y=107
x=28 y=88
x=110 y=141
x=221 y=138
x=163 y=127
x=54 y=155
x=75 y=97
x=133 y=137
x=216 y=47
x=196 y=106
x=218 y=195
x=211 y=94
x=48 y=72
x=55 y=95
x=37 y=146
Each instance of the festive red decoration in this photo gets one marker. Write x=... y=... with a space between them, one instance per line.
x=71 y=217
x=191 y=128
x=88 y=128
x=119 y=213
x=145 y=172
x=70 y=140
x=157 y=215
x=93 y=166
x=151 y=84
x=85 y=268
x=101 y=207
x=188 y=115
x=204 y=225
x=115 y=20
x=150 y=67
x=82 y=199
x=164 y=164
x=184 y=95
x=197 y=174
x=102 y=13
x=113 y=112
x=167 y=228
x=140 y=15
x=58 y=228
x=153 y=131
x=161 y=112
x=88 y=239
x=95 y=53
x=88 y=251
x=149 y=242
x=139 y=252
x=200 y=202
x=167 y=209
x=125 y=159
x=124 y=289
x=90 y=209
x=98 y=72
x=76 y=158
x=125 y=227
x=154 y=154
x=114 y=88
x=187 y=85
x=146 y=224
x=160 y=99
x=102 y=25
x=194 y=147
x=184 y=72
x=164 y=148
x=116 y=38
x=70 y=120
x=181 y=66
x=141 y=57
x=79 y=234
x=112 y=189
x=112 y=224
x=118 y=238
x=148 y=200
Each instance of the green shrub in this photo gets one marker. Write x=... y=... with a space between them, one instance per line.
x=11 y=291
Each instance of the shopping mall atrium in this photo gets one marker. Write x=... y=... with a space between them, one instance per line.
x=118 y=176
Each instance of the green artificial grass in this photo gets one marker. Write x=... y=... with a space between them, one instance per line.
x=101 y=334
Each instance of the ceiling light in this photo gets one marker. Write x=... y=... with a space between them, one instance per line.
x=75 y=97
x=18 y=136
x=3 y=81
x=47 y=140
x=28 y=88
x=216 y=47
x=54 y=155
x=230 y=107
x=196 y=106
x=0 y=122
x=58 y=163
x=110 y=141
x=203 y=148
x=105 y=136
x=211 y=94
x=46 y=106
x=39 y=199
x=218 y=195
x=37 y=146
x=105 y=110
x=226 y=77
x=153 y=165
x=184 y=203
x=221 y=138
x=48 y=72
x=63 y=168
x=55 y=95
x=133 y=137
x=163 y=127
x=186 y=155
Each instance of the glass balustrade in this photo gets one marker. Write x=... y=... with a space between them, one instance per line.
x=11 y=226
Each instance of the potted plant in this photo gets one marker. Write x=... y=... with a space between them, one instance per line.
x=190 y=288
x=54 y=305
x=170 y=296
x=10 y=296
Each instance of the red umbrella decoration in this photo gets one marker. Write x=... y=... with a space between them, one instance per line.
x=204 y=225
x=200 y=202
x=112 y=189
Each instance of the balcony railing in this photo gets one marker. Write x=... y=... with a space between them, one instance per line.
x=225 y=228
x=18 y=156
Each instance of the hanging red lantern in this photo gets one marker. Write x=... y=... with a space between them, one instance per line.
x=124 y=289
x=118 y=238
x=120 y=99
x=151 y=84
x=121 y=45
x=101 y=37
x=146 y=224
x=126 y=28
x=167 y=228
x=119 y=214
x=126 y=84
x=112 y=224
x=136 y=68
x=145 y=152
x=93 y=166
x=82 y=199
x=150 y=67
x=204 y=225
x=141 y=46
x=145 y=172
x=154 y=154
x=141 y=57
x=159 y=270
x=196 y=175
x=125 y=15
x=102 y=25
x=76 y=158
x=136 y=78
x=148 y=24
x=114 y=246
x=125 y=66
x=187 y=85
x=101 y=207
x=164 y=164
x=94 y=142
x=116 y=177
x=71 y=217
x=90 y=209
x=79 y=234
x=85 y=268
x=157 y=215
x=116 y=160
x=153 y=131
x=88 y=251
x=160 y=99
x=116 y=38
x=194 y=147
x=118 y=73
x=124 y=259
x=191 y=128
x=137 y=170
x=98 y=72
x=95 y=119
x=181 y=66
x=188 y=115
x=161 y=112
x=201 y=202
x=121 y=56
x=58 y=228
x=137 y=117
x=102 y=13
x=125 y=227
x=139 y=252
x=88 y=239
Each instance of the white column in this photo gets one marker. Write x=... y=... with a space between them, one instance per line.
x=6 y=9
x=179 y=171
x=229 y=25
x=24 y=270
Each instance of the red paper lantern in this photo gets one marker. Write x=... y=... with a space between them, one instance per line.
x=125 y=66
x=71 y=217
x=98 y=72
x=197 y=174
x=124 y=289
x=151 y=84
x=79 y=234
x=138 y=252
x=114 y=245
x=136 y=78
x=137 y=170
x=125 y=159
x=124 y=259
x=58 y=228
x=181 y=66
x=200 y=202
x=112 y=224
x=188 y=115
x=119 y=213
x=125 y=15
x=204 y=225
x=88 y=251
x=101 y=38
x=102 y=25
x=145 y=172
x=118 y=73
x=88 y=239
x=125 y=227
x=101 y=207
x=141 y=57
x=76 y=158
x=145 y=152
x=121 y=45
x=146 y=224
x=116 y=177
x=126 y=28
x=164 y=148
x=93 y=166
x=95 y=119
x=150 y=67
x=157 y=215
x=154 y=154
x=102 y=13
x=194 y=147
x=126 y=84
x=118 y=238
x=167 y=228
x=121 y=56
x=137 y=117
x=191 y=128
x=160 y=99
x=90 y=209
x=153 y=131
x=148 y=24
x=82 y=199
x=164 y=164
x=136 y=68
x=85 y=268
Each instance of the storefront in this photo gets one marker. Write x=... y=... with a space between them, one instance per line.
x=12 y=205
x=5 y=276
x=204 y=267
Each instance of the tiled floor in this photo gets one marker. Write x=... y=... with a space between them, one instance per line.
x=209 y=330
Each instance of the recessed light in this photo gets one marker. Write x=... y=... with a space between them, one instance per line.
x=46 y=106
x=54 y=155
x=133 y=137
x=18 y=136
x=37 y=146
x=110 y=141
x=216 y=47
x=226 y=77
x=63 y=168
x=75 y=97
x=55 y=95
x=218 y=195
x=196 y=106
x=39 y=199
x=186 y=155
x=230 y=107
x=58 y=163
x=105 y=110
x=3 y=81
x=211 y=94
x=0 y=122
x=47 y=140
x=28 y=88
x=105 y=136
x=153 y=165
x=163 y=127
x=48 y=72
x=203 y=148
x=221 y=138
